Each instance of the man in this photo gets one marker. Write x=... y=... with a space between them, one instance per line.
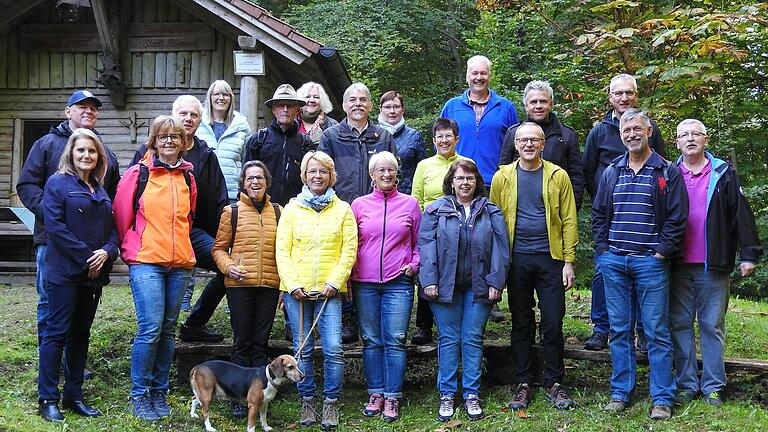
x=409 y=143
x=638 y=220
x=82 y=111
x=211 y=199
x=351 y=143
x=483 y=118
x=538 y=204
x=602 y=146
x=280 y=145
x=720 y=222
x=562 y=144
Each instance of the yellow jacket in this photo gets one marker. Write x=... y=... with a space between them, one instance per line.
x=314 y=249
x=559 y=205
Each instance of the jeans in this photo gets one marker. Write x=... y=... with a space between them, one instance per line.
x=383 y=313
x=42 y=295
x=544 y=275
x=647 y=278
x=599 y=313
x=157 y=293
x=329 y=325
x=252 y=312
x=699 y=294
x=215 y=290
x=461 y=324
x=70 y=316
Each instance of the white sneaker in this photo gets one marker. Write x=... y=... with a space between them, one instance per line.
x=472 y=405
x=446 y=408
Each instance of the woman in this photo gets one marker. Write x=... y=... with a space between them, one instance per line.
x=316 y=249
x=314 y=117
x=410 y=145
x=427 y=187
x=247 y=258
x=464 y=250
x=224 y=130
x=82 y=245
x=154 y=226
x=382 y=281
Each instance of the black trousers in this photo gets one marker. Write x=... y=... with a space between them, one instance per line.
x=544 y=275
x=251 y=313
x=424 y=317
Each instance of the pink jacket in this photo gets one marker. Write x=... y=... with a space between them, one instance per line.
x=388 y=231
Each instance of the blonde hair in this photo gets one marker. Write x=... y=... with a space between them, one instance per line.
x=67 y=162
x=208 y=106
x=324 y=160
x=166 y=122
x=325 y=102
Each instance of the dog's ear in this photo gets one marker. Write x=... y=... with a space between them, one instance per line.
x=276 y=367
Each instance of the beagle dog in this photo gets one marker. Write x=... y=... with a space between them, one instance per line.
x=253 y=386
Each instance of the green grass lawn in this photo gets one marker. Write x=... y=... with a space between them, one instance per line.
x=744 y=410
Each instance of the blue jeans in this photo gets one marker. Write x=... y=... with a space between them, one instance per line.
x=646 y=278
x=157 y=293
x=329 y=325
x=696 y=293
x=599 y=313
x=461 y=324
x=42 y=294
x=383 y=313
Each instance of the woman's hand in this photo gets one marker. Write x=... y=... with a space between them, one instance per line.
x=299 y=294
x=329 y=291
x=236 y=272
x=407 y=270
x=431 y=291
x=96 y=262
x=494 y=295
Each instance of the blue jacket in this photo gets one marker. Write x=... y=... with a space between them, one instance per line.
x=229 y=149
x=730 y=221
x=43 y=162
x=78 y=222
x=439 y=246
x=604 y=144
x=670 y=203
x=481 y=142
x=411 y=148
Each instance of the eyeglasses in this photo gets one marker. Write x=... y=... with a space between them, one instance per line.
x=171 y=137
x=693 y=134
x=444 y=137
x=620 y=93
x=533 y=141
x=391 y=107
x=462 y=179
x=321 y=172
x=218 y=95
x=252 y=179
x=382 y=171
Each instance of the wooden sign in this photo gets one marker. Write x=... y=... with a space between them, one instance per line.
x=146 y=37
x=249 y=63
x=59 y=38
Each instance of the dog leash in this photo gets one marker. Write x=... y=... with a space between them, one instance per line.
x=301 y=324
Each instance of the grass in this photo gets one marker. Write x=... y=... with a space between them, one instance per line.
x=744 y=410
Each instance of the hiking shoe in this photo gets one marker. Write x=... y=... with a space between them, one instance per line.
x=348 y=327
x=159 y=401
x=199 y=334
x=141 y=408
x=422 y=336
x=521 y=398
x=308 y=411
x=684 y=397
x=239 y=410
x=660 y=412
x=375 y=405
x=713 y=399
x=391 y=410
x=445 y=412
x=330 y=414
x=558 y=395
x=597 y=342
x=472 y=405
x=496 y=314
x=642 y=344
x=615 y=406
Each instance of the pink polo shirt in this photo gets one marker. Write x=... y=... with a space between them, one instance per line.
x=694 y=244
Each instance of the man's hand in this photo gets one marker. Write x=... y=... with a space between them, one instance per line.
x=746 y=268
x=431 y=291
x=568 y=276
x=494 y=295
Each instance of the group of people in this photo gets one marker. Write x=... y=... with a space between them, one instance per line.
x=340 y=223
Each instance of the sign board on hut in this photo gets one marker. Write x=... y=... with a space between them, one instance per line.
x=59 y=38
x=145 y=37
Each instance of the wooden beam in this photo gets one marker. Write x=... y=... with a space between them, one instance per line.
x=19 y=9
x=107 y=36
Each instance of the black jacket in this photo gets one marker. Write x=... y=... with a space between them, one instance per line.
x=43 y=162
x=281 y=152
x=211 y=187
x=351 y=154
x=561 y=148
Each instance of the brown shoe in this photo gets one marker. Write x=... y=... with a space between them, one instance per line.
x=558 y=395
x=522 y=397
x=660 y=412
x=615 y=406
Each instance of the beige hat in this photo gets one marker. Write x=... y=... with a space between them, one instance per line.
x=285 y=93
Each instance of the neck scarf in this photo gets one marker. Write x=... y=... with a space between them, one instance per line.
x=315 y=202
x=391 y=128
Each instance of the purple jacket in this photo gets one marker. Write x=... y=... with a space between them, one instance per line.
x=388 y=232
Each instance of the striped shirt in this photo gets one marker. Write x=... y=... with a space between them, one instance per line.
x=633 y=226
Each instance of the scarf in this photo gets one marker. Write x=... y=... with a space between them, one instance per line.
x=316 y=131
x=391 y=128
x=315 y=202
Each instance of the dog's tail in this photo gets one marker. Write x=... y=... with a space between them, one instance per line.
x=193 y=381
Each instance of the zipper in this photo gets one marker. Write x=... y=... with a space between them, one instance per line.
x=383 y=237
x=174 y=200
x=317 y=244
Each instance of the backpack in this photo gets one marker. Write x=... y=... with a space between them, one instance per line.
x=233 y=220
x=141 y=184
x=253 y=150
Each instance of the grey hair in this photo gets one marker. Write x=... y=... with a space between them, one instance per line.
x=358 y=86
x=623 y=77
x=477 y=58
x=179 y=100
x=325 y=102
x=531 y=124
x=383 y=156
x=538 y=85
x=692 y=121
x=632 y=113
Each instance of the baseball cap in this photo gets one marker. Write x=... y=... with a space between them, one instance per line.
x=81 y=95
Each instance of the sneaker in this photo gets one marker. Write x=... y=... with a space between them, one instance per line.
x=391 y=410
x=642 y=344
x=660 y=412
x=160 y=403
x=472 y=405
x=558 y=395
x=445 y=412
x=597 y=342
x=713 y=399
x=308 y=411
x=330 y=414
x=199 y=334
x=422 y=336
x=683 y=397
x=348 y=328
x=239 y=410
x=375 y=405
x=141 y=408
x=496 y=314
x=615 y=406
x=521 y=398
x=87 y=374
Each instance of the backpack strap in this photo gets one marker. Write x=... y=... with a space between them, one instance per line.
x=253 y=152
x=233 y=219
x=141 y=184
x=277 y=212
